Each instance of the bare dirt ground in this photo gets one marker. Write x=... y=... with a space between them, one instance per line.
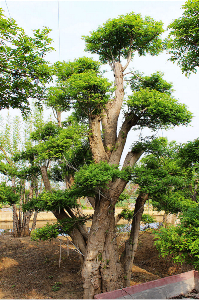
x=30 y=270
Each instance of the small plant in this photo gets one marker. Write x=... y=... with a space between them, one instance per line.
x=56 y=287
x=100 y=256
x=51 y=276
x=147 y=219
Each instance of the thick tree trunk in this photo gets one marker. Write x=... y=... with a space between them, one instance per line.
x=102 y=270
x=131 y=244
x=25 y=226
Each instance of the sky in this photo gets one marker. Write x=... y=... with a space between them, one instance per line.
x=69 y=20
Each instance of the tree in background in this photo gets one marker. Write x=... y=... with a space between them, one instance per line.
x=17 y=177
x=181 y=241
x=24 y=71
x=183 y=41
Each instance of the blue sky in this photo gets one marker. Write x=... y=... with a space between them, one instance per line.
x=77 y=18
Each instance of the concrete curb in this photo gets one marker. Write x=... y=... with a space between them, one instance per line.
x=163 y=288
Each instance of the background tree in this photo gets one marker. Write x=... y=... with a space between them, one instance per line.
x=182 y=240
x=13 y=137
x=183 y=39
x=24 y=72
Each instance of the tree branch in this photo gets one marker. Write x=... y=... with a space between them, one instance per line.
x=129 y=122
x=128 y=58
x=95 y=140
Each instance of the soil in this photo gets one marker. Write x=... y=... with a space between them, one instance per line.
x=33 y=270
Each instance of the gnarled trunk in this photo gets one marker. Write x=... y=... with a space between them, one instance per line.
x=102 y=270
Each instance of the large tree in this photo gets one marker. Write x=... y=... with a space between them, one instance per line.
x=24 y=71
x=119 y=39
x=81 y=87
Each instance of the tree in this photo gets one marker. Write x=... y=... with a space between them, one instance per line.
x=89 y=94
x=24 y=72
x=20 y=179
x=182 y=240
x=119 y=39
x=183 y=39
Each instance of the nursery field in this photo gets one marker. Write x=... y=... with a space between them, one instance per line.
x=31 y=269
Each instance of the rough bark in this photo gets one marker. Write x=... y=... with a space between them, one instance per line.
x=45 y=178
x=34 y=221
x=75 y=234
x=131 y=244
x=132 y=158
x=102 y=270
x=130 y=120
x=69 y=180
x=95 y=140
x=15 y=221
x=25 y=225
x=112 y=111
x=58 y=113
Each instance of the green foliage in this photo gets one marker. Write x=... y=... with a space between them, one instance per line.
x=47 y=232
x=8 y=195
x=91 y=92
x=56 y=287
x=55 y=142
x=71 y=77
x=184 y=37
x=64 y=70
x=51 y=200
x=123 y=200
x=147 y=219
x=155 y=109
x=44 y=132
x=94 y=176
x=162 y=176
x=130 y=32
x=24 y=72
x=51 y=231
x=182 y=241
x=127 y=214
x=154 y=82
x=189 y=153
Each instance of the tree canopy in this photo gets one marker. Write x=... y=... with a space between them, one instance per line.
x=24 y=71
x=121 y=37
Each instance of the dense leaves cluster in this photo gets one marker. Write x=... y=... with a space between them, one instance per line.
x=8 y=195
x=155 y=109
x=181 y=241
x=123 y=35
x=51 y=200
x=184 y=38
x=24 y=72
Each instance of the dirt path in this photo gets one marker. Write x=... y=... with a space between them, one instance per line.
x=31 y=269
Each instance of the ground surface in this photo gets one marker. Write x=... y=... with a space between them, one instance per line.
x=31 y=270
